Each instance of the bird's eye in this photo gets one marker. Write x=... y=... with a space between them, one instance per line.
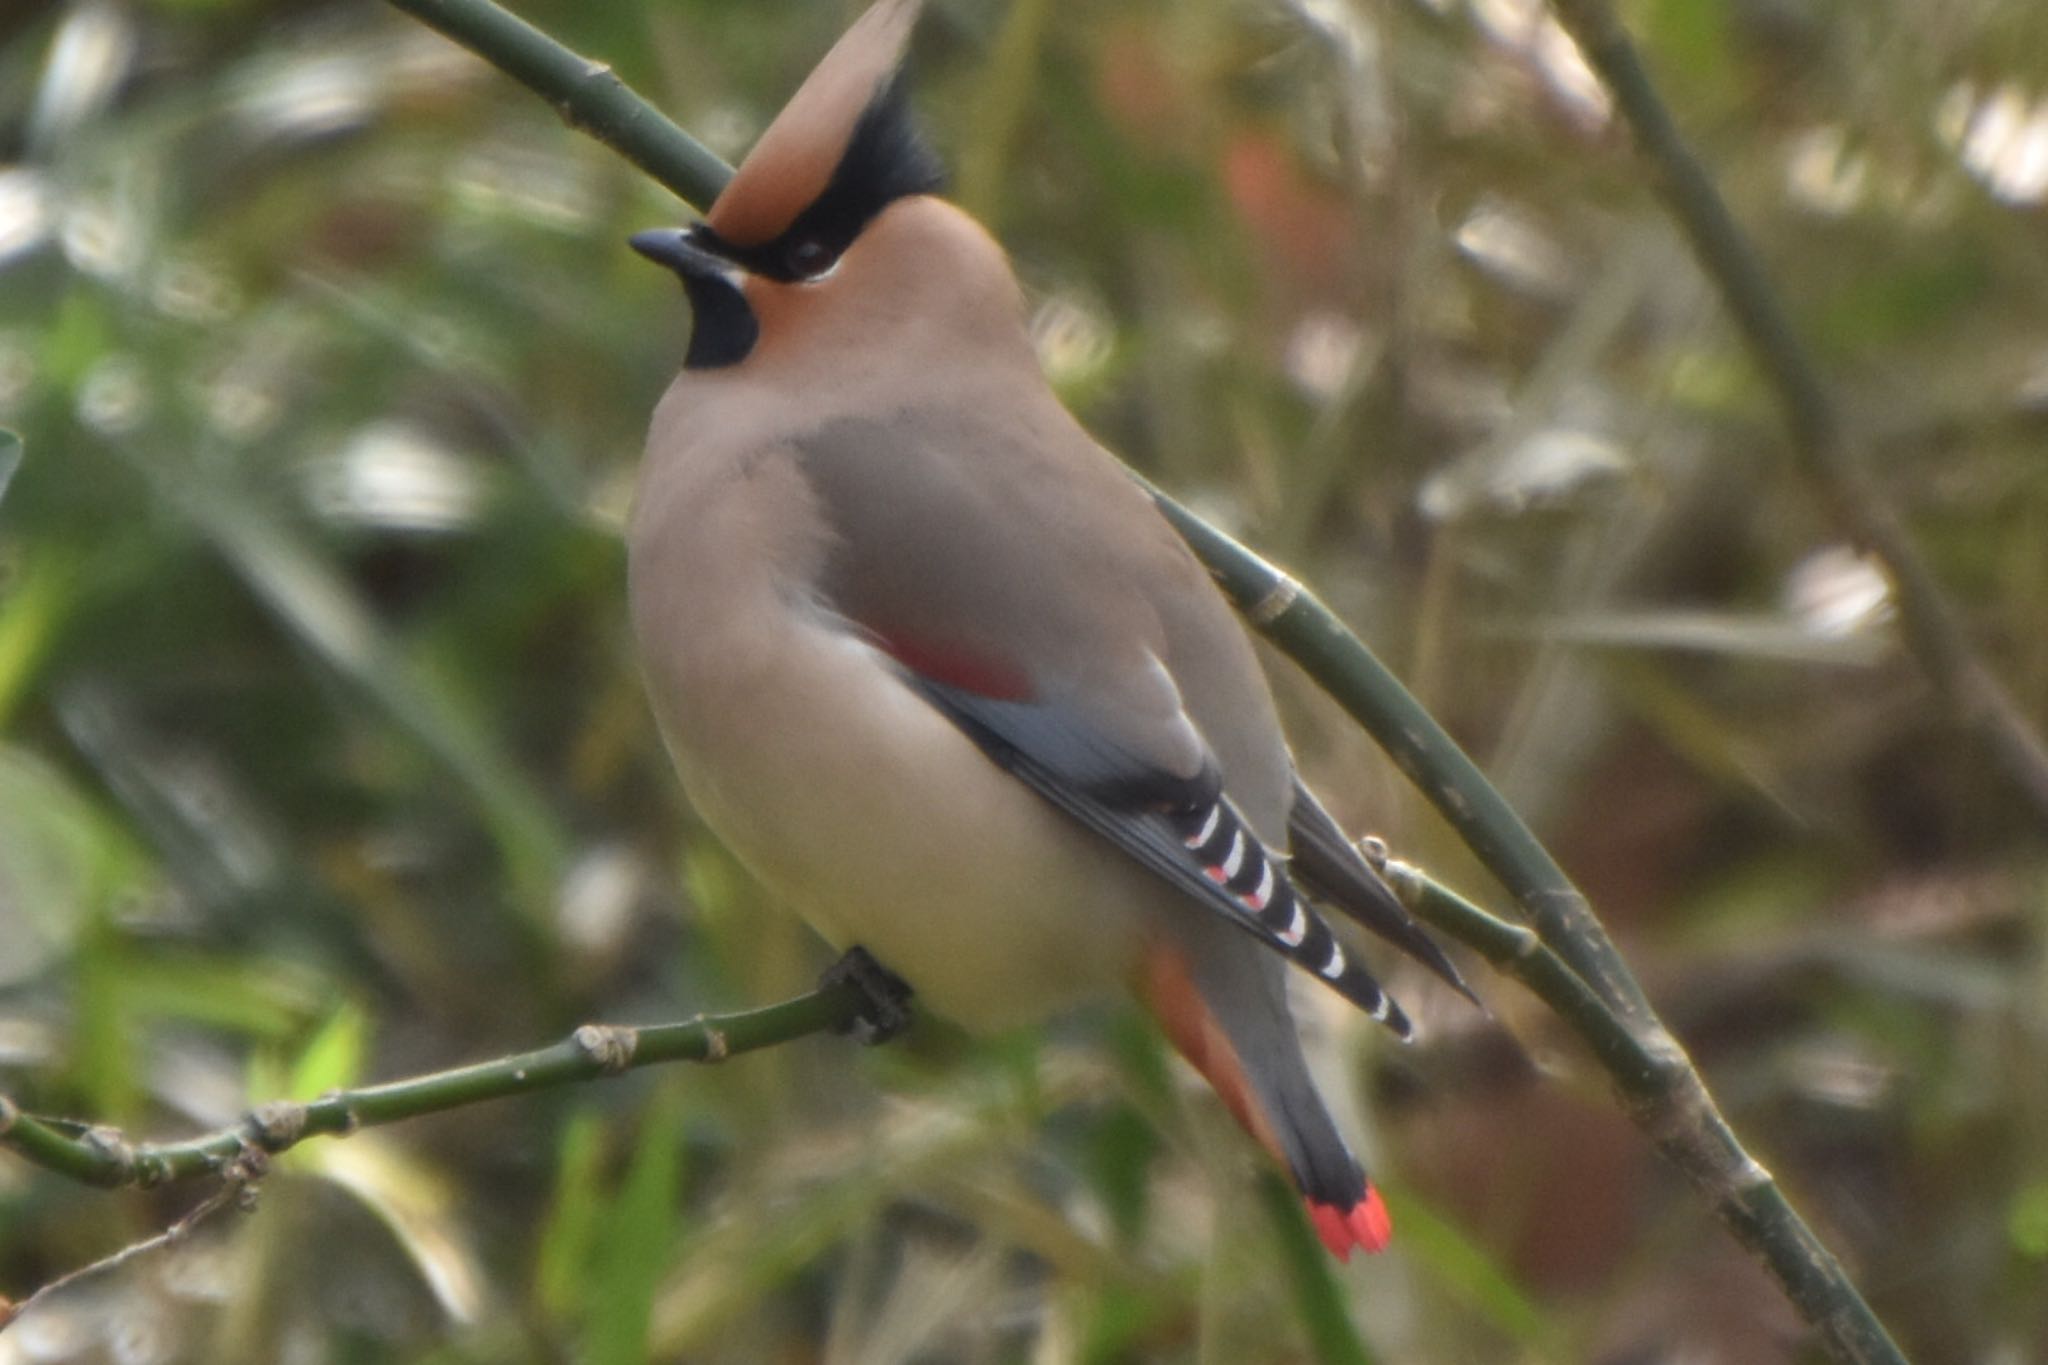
x=809 y=258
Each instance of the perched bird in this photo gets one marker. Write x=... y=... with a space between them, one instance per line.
x=932 y=663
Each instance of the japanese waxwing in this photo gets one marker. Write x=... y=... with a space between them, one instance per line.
x=933 y=665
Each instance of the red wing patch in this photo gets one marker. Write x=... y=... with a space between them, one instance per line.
x=962 y=668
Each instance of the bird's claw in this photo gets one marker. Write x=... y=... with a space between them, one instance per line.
x=884 y=997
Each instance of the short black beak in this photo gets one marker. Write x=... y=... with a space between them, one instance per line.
x=725 y=329
x=673 y=248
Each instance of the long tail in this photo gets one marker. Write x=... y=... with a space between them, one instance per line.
x=1225 y=1010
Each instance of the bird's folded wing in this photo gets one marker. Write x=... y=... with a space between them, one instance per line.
x=1331 y=869
x=1183 y=829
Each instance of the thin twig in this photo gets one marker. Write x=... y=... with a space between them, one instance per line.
x=1828 y=456
x=238 y=1155
x=103 y=1156
x=1568 y=958
x=588 y=94
x=238 y=1188
x=1308 y=632
x=1662 y=1091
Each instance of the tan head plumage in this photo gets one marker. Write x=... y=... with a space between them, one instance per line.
x=793 y=161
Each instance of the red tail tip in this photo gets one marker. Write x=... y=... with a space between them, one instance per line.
x=1364 y=1224
x=1369 y=1222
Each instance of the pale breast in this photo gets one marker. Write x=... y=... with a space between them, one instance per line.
x=853 y=800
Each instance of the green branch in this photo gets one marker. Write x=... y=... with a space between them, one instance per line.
x=1311 y=634
x=587 y=94
x=237 y=1157
x=10 y=458
x=1665 y=1096
x=1565 y=957
x=103 y=1156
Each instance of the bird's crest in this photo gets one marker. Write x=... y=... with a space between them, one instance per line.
x=841 y=148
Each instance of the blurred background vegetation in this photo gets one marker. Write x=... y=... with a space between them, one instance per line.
x=323 y=755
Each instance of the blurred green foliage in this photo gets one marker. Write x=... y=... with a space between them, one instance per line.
x=323 y=757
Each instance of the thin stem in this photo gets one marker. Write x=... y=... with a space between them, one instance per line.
x=237 y=1189
x=103 y=1156
x=1568 y=960
x=1827 y=454
x=1310 y=633
x=588 y=94
x=1663 y=1092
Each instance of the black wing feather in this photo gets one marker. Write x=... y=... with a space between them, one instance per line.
x=1334 y=872
x=1182 y=829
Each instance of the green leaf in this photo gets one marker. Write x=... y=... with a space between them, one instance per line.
x=333 y=1057
x=1690 y=40
x=309 y=592
x=104 y=1062
x=1121 y=1149
x=63 y=859
x=39 y=598
x=75 y=339
x=2027 y=1223
x=1463 y=1268
x=258 y=999
x=1878 y=308
x=10 y=458
x=563 y=1262
x=638 y=1240
x=1119 y=1318
x=1318 y=1298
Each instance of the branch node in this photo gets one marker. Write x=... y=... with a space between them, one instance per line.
x=244 y=1173
x=1671 y=1102
x=109 y=1143
x=1752 y=1174
x=1673 y=1067
x=609 y=1045
x=277 y=1125
x=1558 y=899
x=1275 y=601
x=1527 y=942
x=238 y=1187
x=351 y=1120
x=1373 y=849
x=9 y=1113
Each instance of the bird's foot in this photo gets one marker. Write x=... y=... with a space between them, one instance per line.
x=885 y=997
